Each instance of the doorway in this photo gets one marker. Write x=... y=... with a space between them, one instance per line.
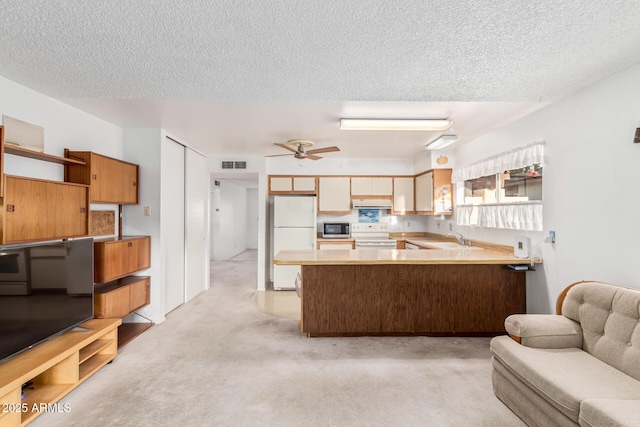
x=234 y=214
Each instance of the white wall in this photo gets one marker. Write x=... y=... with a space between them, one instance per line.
x=233 y=221
x=64 y=127
x=590 y=187
x=338 y=166
x=253 y=218
x=142 y=146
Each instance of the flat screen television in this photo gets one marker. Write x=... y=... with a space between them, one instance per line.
x=45 y=290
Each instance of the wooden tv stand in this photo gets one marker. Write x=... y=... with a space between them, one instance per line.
x=55 y=368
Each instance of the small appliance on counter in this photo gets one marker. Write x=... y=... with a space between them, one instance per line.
x=336 y=230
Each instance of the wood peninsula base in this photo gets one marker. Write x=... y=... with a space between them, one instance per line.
x=409 y=299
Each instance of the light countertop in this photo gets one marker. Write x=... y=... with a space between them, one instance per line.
x=397 y=256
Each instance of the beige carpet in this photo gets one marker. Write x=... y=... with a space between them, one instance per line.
x=219 y=361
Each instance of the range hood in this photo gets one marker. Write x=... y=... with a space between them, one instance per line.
x=372 y=203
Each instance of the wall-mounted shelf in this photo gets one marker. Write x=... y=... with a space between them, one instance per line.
x=22 y=152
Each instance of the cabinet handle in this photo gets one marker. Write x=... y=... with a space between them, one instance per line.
x=83 y=210
x=94 y=176
x=135 y=183
x=130 y=244
x=11 y=208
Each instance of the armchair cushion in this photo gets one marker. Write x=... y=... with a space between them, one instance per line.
x=609 y=413
x=545 y=330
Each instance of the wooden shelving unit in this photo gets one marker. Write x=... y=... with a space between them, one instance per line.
x=54 y=368
x=121 y=297
x=23 y=152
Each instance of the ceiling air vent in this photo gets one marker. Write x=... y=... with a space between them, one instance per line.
x=237 y=164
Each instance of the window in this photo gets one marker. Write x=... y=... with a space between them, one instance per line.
x=514 y=185
x=503 y=191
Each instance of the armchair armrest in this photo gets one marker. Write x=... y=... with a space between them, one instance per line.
x=544 y=330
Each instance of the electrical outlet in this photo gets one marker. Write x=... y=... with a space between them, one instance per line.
x=147 y=211
x=450 y=227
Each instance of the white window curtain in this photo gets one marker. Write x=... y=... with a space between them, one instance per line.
x=516 y=216
x=512 y=159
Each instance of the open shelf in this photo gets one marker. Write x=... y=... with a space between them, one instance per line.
x=128 y=331
x=23 y=152
x=42 y=394
x=93 y=348
x=93 y=364
x=54 y=368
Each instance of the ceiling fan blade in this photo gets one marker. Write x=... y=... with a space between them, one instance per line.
x=285 y=146
x=313 y=157
x=323 y=150
x=279 y=155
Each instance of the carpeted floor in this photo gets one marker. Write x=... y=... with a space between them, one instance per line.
x=219 y=361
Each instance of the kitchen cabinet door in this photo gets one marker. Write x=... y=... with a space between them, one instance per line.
x=280 y=184
x=371 y=186
x=403 y=202
x=304 y=184
x=433 y=193
x=424 y=192
x=334 y=195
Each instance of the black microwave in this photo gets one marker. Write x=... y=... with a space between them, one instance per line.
x=335 y=230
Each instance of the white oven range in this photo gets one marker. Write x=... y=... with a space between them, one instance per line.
x=372 y=236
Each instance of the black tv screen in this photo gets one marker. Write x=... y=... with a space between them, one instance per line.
x=45 y=290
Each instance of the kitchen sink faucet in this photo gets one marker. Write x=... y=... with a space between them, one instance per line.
x=459 y=237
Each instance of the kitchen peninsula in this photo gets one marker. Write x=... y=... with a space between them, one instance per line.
x=437 y=292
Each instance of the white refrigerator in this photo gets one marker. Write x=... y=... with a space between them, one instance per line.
x=294 y=228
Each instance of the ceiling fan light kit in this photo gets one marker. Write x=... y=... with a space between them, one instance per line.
x=441 y=142
x=433 y=125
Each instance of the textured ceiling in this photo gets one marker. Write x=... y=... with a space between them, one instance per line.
x=105 y=56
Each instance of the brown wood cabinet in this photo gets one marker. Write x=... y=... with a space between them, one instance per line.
x=115 y=258
x=122 y=297
x=54 y=368
x=36 y=209
x=111 y=180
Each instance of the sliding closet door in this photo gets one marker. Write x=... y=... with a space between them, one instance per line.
x=196 y=217
x=173 y=222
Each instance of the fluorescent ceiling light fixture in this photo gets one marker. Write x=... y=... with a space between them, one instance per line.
x=443 y=141
x=434 y=125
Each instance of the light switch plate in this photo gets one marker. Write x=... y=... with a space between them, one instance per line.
x=522 y=246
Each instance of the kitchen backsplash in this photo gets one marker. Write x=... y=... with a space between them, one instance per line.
x=397 y=223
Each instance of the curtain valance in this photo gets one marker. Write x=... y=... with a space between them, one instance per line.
x=512 y=159
x=515 y=216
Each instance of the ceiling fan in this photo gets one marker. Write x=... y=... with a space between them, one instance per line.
x=298 y=148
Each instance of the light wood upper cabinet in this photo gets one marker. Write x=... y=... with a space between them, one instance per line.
x=35 y=209
x=334 y=195
x=403 y=202
x=424 y=192
x=111 y=180
x=433 y=192
x=292 y=184
x=371 y=186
